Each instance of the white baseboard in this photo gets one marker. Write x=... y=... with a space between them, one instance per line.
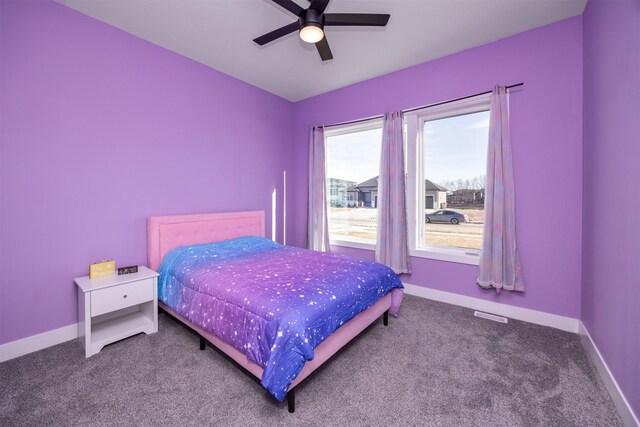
x=622 y=405
x=18 y=348
x=527 y=315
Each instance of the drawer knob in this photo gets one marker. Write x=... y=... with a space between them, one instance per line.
x=125 y=295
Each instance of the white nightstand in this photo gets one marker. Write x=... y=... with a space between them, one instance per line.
x=115 y=307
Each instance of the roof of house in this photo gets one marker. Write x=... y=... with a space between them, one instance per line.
x=430 y=185
x=372 y=183
x=369 y=184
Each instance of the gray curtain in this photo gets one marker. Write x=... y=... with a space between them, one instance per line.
x=317 y=220
x=392 y=245
x=499 y=261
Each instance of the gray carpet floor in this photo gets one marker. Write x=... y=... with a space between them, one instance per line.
x=435 y=365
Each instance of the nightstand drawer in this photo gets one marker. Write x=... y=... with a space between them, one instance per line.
x=121 y=296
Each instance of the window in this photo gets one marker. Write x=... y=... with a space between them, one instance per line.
x=353 y=164
x=447 y=158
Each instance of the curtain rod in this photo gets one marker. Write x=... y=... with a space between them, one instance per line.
x=418 y=108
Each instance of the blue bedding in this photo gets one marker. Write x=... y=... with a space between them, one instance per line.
x=273 y=303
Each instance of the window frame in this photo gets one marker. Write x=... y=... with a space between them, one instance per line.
x=415 y=174
x=370 y=124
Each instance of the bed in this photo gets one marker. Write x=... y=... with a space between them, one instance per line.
x=279 y=312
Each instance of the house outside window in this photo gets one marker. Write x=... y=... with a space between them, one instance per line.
x=353 y=163
x=447 y=156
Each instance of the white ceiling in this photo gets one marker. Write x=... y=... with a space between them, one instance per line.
x=219 y=33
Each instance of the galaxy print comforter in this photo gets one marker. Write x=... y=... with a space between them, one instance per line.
x=273 y=303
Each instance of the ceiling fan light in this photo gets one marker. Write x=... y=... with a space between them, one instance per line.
x=311 y=33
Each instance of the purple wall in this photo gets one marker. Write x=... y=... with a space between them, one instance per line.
x=101 y=129
x=547 y=148
x=611 y=248
x=180 y=137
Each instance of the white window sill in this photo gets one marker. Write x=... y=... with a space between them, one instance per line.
x=356 y=244
x=459 y=256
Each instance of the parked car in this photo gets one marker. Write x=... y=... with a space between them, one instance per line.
x=446 y=215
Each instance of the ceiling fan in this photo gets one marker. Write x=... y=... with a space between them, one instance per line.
x=311 y=23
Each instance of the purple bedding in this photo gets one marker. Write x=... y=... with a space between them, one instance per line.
x=274 y=303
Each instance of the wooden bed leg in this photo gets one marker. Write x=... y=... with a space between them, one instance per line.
x=385 y=318
x=291 y=400
x=203 y=343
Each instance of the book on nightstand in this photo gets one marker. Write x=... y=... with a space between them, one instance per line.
x=102 y=269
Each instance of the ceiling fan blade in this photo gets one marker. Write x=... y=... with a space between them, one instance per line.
x=290 y=5
x=356 y=19
x=319 y=5
x=324 y=50
x=276 y=34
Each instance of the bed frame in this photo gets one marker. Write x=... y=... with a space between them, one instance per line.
x=168 y=232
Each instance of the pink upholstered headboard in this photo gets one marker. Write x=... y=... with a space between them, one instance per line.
x=165 y=233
